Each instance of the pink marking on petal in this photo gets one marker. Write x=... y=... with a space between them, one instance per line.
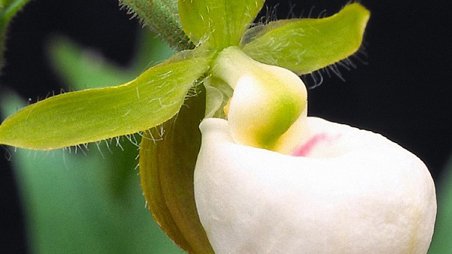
x=307 y=147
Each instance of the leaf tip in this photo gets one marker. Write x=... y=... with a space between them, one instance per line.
x=359 y=11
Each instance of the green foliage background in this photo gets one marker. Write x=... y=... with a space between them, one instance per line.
x=88 y=202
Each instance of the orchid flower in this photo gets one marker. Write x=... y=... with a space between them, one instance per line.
x=269 y=179
x=266 y=178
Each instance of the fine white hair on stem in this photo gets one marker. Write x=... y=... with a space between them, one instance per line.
x=107 y=142
x=291 y=12
x=132 y=139
x=269 y=16
x=154 y=134
x=137 y=165
x=311 y=11
x=99 y=149
x=118 y=143
x=316 y=78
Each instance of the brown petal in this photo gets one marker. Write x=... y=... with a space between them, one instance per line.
x=167 y=164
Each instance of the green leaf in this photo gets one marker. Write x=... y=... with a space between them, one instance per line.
x=96 y=114
x=167 y=162
x=306 y=45
x=220 y=23
x=82 y=68
x=8 y=9
x=74 y=204
x=162 y=17
x=443 y=229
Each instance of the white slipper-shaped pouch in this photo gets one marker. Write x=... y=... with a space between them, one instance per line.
x=351 y=191
x=338 y=190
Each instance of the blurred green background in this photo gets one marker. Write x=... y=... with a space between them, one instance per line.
x=88 y=199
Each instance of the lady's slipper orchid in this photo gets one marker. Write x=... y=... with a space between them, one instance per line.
x=268 y=179
x=338 y=190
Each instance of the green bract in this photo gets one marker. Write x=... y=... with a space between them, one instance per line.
x=156 y=96
x=218 y=23
x=166 y=170
x=162 y=17
x=306 y=45
x=95 y=114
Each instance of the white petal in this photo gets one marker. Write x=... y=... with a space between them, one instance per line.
x=354 y=192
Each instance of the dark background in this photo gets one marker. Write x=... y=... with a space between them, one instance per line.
x=401 y=87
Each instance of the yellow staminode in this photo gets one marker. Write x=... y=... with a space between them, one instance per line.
x=267 y=100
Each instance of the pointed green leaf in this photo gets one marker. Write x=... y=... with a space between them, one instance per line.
x=306 y=45
x=221 y=23
x=97 y=114
x=68 y=200
x=167 y=162
x=82 y=68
